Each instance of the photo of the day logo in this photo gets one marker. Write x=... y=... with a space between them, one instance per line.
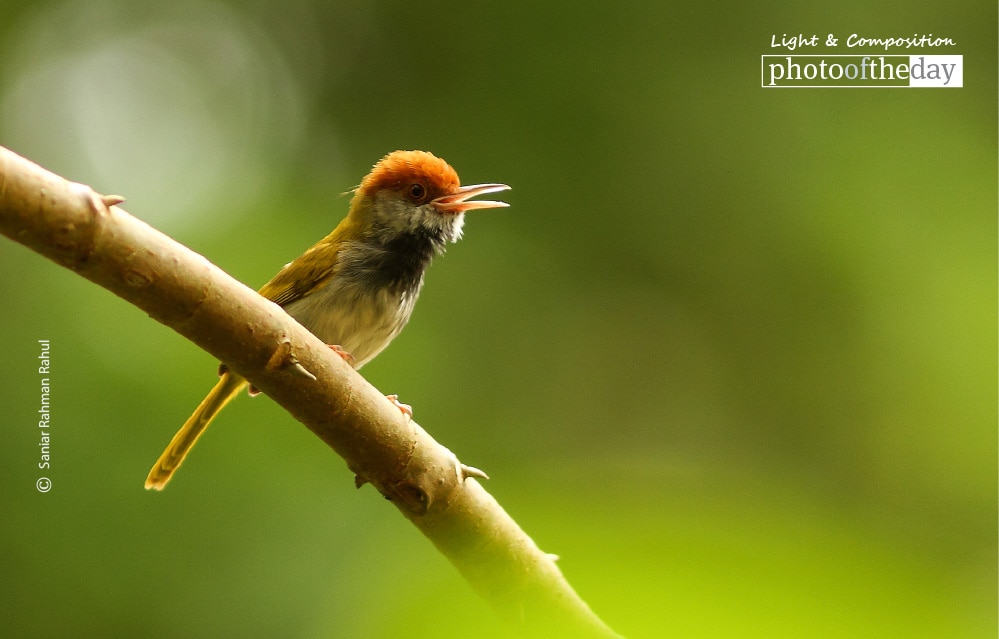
x=829 y=71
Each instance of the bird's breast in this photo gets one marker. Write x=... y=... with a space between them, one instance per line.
x=367 y=303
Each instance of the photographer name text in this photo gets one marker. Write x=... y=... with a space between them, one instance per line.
x=44 y=484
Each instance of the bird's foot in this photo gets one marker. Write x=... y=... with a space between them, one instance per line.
x=251 y=390
x=406 y=409
x=347 y=357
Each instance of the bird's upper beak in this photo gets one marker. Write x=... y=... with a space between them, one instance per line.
x=458 y=201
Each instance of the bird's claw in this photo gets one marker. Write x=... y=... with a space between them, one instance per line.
x=405 y=409
x=347 y=357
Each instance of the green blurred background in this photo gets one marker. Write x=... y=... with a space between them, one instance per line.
x=731 y=353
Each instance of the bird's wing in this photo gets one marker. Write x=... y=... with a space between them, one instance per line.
x=303 y=275
x=308 y=272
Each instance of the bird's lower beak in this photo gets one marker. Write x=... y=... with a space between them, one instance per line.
x=458 y=201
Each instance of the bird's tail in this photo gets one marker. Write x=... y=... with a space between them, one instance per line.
x=181 y=444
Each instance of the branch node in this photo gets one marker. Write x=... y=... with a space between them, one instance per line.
x=136 y=279
x=283 y=358
x=415 y=498
x=95 y=200
x=61 y=240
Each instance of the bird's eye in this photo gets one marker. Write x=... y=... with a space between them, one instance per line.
x=417 y=191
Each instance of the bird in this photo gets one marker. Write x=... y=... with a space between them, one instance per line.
x=355 y=289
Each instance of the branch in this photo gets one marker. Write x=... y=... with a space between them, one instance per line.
x=87 y=233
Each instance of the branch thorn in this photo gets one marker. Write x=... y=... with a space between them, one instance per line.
x=471 y=471
x=283 y=358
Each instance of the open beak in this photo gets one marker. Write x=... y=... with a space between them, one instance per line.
x=458 y=201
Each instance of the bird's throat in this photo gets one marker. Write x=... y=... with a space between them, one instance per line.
x=397 y=265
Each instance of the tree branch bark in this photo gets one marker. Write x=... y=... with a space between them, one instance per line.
x=87 y=233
